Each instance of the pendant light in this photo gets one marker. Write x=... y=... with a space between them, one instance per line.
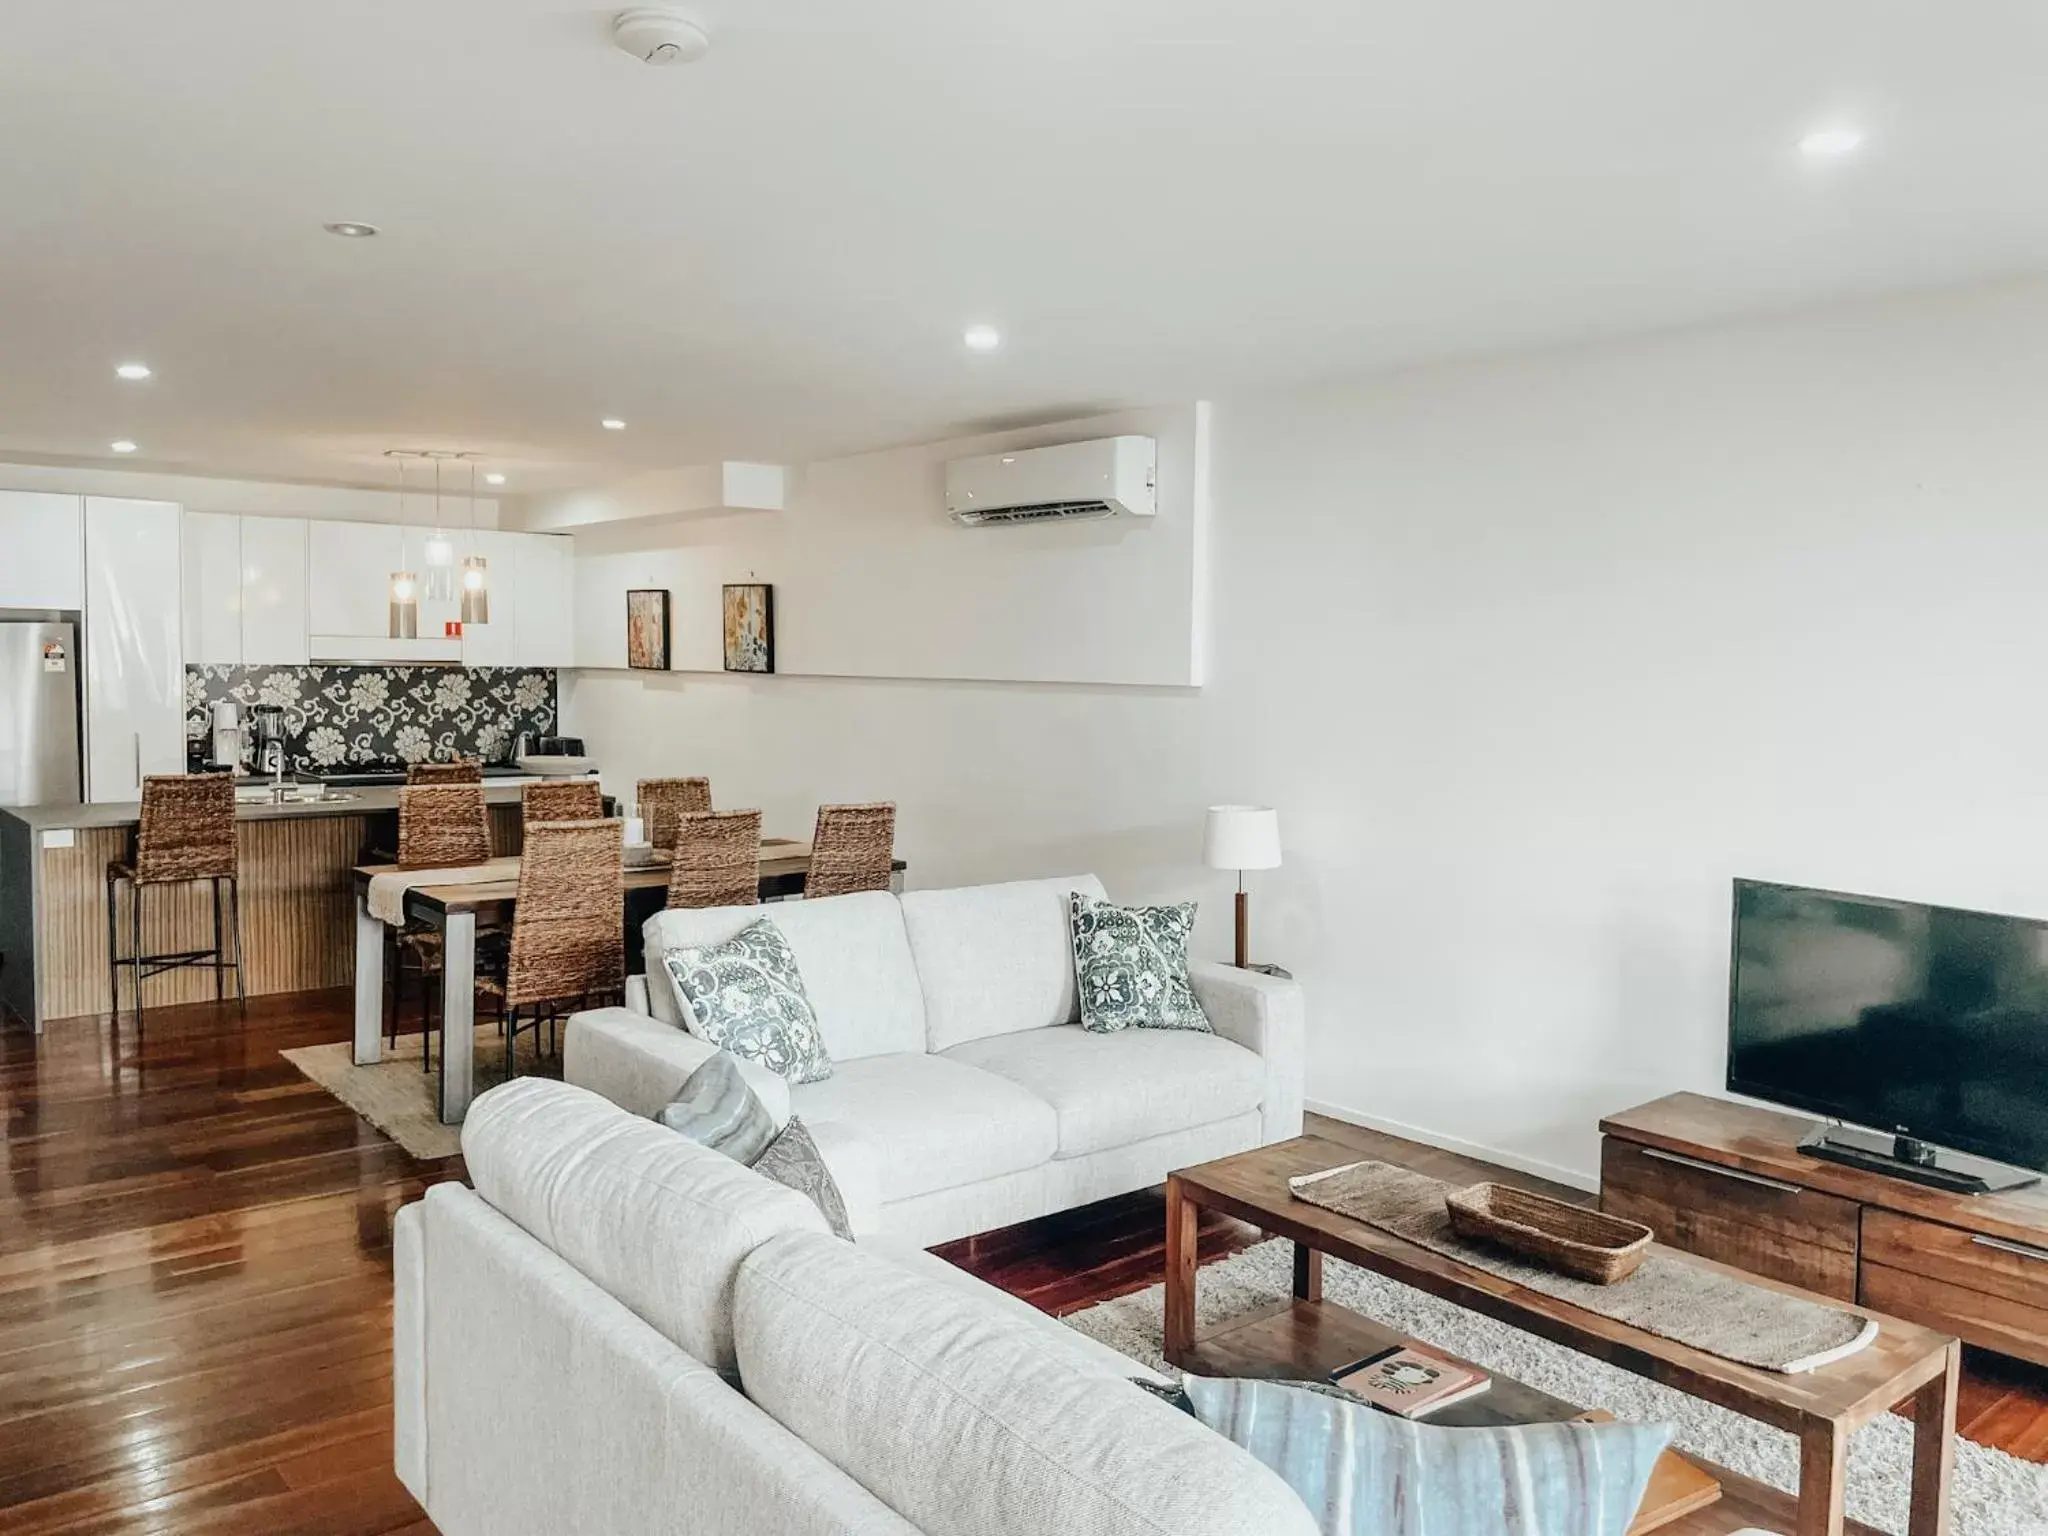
x=440 y=551
x=405 y=588
x=476 y=572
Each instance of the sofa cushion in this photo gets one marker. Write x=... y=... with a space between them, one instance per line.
x=853 y=954
x=934 y=1123
x=959 y=1417
x=1131 y=966
x=658 y=1221
x=1367 y=1473
x=747 y=995
x=994 y=958
x=1112 y=1090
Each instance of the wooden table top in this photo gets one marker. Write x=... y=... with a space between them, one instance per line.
x=1252 y=1186
x=779 y=856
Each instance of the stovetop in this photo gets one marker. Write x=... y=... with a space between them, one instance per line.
x=370 y=775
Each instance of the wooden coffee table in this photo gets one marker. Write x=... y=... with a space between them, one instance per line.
x=1822 y=1407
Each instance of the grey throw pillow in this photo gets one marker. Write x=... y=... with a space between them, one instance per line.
x=1131 y=966
x=716 y=1109
x=1366 y=1473
x=747 y=996
x=792 y=1159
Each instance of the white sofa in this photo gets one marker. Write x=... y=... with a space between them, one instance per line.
x=964 y=1096
x=618 y=1331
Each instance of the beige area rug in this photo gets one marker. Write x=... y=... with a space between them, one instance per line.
x=398 y=1098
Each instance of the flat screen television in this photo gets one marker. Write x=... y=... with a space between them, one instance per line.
x=1923 y=1022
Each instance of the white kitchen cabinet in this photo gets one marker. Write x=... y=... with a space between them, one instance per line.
x=546 y=593
x=42 y=550
x=351 y=566
x=274 y=592
x=134 y=645
x=213 y=588
x=495 y=644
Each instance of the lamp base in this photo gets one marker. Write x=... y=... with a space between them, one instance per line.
x=1244 y=931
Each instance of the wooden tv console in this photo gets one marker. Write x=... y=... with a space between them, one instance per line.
x=1728 y=1181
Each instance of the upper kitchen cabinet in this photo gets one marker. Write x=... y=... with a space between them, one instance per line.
x=275 y=592
x=134 y=651
x=533 y=596
x=213 y=588
x=43 y=536
x=349 y=604
x=245 y=590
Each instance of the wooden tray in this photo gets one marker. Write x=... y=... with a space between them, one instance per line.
x=1574 y=1240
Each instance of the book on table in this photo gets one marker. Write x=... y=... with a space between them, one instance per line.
x=1411 y=1381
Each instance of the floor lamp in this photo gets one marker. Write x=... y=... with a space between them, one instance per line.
x=1242 y=837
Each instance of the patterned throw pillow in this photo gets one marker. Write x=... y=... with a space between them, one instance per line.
x=715 y=1108
x=1366 y=1473
x=1131 y=965
x=747 y=996
x=793 y=1159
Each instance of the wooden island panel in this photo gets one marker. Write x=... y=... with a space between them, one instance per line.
x=298 y=910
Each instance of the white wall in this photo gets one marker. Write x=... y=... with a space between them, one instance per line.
x=256 y=498
x=1534 y=656
x=872 y=580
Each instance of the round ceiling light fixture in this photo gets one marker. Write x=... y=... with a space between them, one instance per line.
x=122 y=445
x=660 y=34
x=350 y=230
x=612 y=424
x=1831 y=143
x=132 y=371
x=982 y=338
x=494 y=479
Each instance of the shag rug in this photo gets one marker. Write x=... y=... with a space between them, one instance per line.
x=1992 y=1494
x=399 y=1099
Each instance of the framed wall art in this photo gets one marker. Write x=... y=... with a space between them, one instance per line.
x=647 y=629
x=750 y=627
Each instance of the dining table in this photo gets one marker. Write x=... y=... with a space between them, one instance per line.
x=457 y=911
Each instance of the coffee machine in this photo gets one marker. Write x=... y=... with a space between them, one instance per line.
x=270 y=754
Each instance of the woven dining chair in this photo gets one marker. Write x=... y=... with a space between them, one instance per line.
x=717 y=860
x=852 y=849
x=186 y=834
x=561 y=800
x=663 y=800
x=568 y=928
x=440 y=826
x=460 y=770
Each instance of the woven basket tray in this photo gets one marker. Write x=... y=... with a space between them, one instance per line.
x=1574 y=1240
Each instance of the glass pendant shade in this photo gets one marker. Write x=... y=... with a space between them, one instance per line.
x=476 y=590
x=405 y=606
x=440 y=569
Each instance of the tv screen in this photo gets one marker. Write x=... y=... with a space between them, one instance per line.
x=1925 y=1021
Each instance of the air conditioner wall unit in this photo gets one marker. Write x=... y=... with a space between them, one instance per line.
x=1108 y=477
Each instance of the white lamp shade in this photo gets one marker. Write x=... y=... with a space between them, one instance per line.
x=1242 y=837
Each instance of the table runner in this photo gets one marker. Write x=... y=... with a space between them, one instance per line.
x=1720 y=1314
x=387 y=891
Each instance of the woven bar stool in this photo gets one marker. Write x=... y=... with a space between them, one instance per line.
x=717 y=860
x=561 y=800
x=440 y=826
x=852 y=849
x=663 y=800
x=461 y=770
x=568 y=929
x=187 y=834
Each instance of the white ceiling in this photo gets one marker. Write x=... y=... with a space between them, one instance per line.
x=772 y=253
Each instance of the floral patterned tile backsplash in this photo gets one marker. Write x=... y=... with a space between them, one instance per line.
x=339 y=717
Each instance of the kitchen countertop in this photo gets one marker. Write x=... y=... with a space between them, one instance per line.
x=369 y=801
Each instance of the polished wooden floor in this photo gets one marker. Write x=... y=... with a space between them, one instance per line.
x=195 y=1282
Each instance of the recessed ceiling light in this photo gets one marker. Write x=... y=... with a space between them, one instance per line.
x=983 y=338
x=1831 y=143
x=123 y=446
x=348 y=230
x=133 y=370
x=494 y=479
x=612 y=424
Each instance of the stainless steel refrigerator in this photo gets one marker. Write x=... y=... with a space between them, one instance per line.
x=40 y=757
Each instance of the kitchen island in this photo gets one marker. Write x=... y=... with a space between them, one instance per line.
x=298 y=914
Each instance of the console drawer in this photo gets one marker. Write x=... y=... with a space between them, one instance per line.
x=1988 y=1290
x=1767 y=1226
